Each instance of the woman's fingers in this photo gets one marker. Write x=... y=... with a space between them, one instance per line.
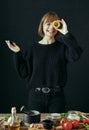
x=64 y=29
x=7 y=42
x=63 y=20
x=12 y=46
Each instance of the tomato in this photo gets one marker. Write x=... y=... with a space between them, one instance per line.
x=67 y=125
x=63 y=120
x=85 y=121
x=75 y=123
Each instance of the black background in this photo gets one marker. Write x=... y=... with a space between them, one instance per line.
x=19 y=20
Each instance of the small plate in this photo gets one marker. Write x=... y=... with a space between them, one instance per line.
x=54 y=116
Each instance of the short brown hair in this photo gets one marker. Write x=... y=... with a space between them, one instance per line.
x=48 y=17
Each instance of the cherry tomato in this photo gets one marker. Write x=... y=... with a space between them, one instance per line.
x=85 y=121
x=63 y=120
x=75 y=123
x=67 y=125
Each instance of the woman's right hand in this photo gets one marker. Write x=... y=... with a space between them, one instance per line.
x=12 y=46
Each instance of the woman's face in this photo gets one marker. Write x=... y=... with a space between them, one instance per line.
x=48 y=29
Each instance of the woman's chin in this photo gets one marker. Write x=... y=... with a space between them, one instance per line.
x=50 y=34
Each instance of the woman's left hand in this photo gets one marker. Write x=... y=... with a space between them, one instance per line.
x=64 y=29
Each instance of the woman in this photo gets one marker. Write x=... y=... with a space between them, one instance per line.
x=45 y=64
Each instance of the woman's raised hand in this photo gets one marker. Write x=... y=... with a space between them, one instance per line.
x=64 y=29
x=12 y=46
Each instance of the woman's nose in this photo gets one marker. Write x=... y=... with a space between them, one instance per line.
x=51 y=26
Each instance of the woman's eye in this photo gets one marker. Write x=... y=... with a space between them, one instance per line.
x=48 y=23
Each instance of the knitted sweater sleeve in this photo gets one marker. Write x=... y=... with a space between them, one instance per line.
x=72 y=50
x=21 y=65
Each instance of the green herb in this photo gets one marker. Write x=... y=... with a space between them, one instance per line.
x=62 y=115
x=86 y=126
x=6 y=117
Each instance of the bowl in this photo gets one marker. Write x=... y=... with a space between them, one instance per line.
x=31 y=116
x=56 y=116
x=47 y=124
x=71 y=115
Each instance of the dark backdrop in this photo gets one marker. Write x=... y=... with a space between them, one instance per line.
x=19 y=20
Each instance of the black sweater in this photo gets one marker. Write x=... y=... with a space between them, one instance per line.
x=46 y=65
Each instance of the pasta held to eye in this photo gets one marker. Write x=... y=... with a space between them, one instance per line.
x=56 y=24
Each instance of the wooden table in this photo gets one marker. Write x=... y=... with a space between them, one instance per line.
x=43 y=116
